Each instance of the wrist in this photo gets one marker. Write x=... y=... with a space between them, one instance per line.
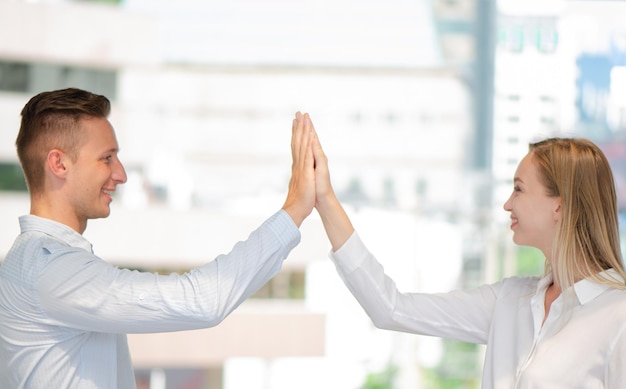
x=327 y=200
x=297 y=214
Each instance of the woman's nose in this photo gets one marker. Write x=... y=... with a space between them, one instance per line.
x=507 y=204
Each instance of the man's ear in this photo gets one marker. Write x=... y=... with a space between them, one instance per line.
x=56 y=163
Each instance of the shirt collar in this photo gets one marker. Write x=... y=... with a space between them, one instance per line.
x=586 y=289
x=544 y=282
x=55 y=229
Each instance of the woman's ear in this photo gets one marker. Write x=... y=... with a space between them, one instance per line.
x=556 y=215
x=56 y=163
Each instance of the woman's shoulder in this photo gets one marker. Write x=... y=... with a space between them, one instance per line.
x=516 y=281
x=517 y=285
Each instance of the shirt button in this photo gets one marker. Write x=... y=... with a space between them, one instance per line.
x=141 y=296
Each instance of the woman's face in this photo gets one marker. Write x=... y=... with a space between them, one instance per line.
x=534 y=214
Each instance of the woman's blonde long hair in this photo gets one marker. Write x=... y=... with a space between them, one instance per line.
x=587 y=239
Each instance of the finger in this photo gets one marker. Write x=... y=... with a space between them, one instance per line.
x=313 y=134
x=295 y=131
x=310 y=135
x=299 y=134
x=308 y=130
x=301 y=143
x=316 y=145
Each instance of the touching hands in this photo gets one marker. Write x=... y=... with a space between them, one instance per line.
x=310 y=184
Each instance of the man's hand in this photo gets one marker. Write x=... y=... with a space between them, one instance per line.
x=301 y=195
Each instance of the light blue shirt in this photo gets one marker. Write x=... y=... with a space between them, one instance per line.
x=65 y=313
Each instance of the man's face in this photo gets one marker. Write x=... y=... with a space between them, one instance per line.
x=96 y=172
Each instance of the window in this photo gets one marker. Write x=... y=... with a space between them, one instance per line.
x=285 y=285
x=13 y=77
x=11 y=177
x=36 y=77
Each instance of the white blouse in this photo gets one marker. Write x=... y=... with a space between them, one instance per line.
x=581 y=347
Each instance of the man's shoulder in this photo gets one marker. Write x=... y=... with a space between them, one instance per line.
x=51 y=234
x=37 y=247
x=38 y=242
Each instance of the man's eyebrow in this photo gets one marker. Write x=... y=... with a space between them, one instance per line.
x=112 y=150
x=517 y=179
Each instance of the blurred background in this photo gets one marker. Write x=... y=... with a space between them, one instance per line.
x=424 y=108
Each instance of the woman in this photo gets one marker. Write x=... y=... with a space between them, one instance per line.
x=564 y=330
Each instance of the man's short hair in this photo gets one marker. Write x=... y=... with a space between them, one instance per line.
x=51 y=120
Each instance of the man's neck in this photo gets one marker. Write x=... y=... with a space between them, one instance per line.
x=49 y=209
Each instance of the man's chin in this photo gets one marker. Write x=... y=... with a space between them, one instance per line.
x=101 y=215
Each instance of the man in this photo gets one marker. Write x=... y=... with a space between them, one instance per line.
x=64 y=312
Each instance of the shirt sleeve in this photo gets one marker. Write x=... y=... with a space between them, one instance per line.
x=79 y=290
x=460 y=315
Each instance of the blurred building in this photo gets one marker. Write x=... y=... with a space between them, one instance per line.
x=559 y=73
x=203 y=96
x=559 y=69
x=424 y=110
